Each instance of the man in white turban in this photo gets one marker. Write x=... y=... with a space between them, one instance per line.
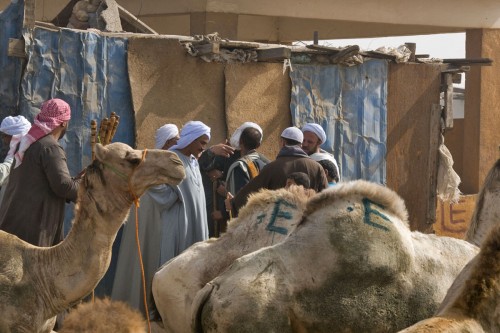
x=314 y=137
x=166 y=136
x=127 y=284
x=12 y=129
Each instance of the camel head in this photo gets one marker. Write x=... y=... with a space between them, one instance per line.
x=137 y=170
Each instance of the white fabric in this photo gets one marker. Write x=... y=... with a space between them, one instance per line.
x=191 y=131
x=293 y=133
x=235 y=138
x=448 y=180
x=15 y=125
x=316 y=129
x=326 y=156
x=165 y=133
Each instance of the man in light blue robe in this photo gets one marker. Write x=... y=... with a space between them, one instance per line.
x=171 y=218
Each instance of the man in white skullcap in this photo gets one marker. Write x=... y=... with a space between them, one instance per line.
x=127 y=284
x=314 y=137
x=12 y=130
x=291 y=158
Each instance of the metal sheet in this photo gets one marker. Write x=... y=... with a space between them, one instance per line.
x=350 y=103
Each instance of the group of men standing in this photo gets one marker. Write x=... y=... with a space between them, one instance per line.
x=218 y=183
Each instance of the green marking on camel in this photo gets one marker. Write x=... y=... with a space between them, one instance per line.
x=368 y=204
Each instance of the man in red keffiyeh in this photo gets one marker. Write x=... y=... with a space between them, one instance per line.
x=39 y=182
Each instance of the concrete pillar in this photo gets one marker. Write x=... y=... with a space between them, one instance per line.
x=206 y=23
x=482 y=109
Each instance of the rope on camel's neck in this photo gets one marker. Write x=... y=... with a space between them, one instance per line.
x=123 y=176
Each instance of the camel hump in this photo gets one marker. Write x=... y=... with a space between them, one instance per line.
x=364 y=223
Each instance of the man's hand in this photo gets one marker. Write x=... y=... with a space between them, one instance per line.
x=222 y=149
x=221 y=190
x=228 y=202
x=217 y=215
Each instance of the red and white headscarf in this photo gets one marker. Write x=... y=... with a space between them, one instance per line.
x=52 y=114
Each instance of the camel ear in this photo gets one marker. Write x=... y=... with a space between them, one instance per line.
x=100 y=151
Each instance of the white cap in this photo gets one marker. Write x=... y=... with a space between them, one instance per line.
x=293 y=133
x=316 y=129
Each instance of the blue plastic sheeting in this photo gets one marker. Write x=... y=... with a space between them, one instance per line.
x=11 y=22
x=350 y=103
x=89 y=72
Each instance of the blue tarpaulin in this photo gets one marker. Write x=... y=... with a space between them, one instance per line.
x=350 y=103
x=84 y=68
x=11 y=24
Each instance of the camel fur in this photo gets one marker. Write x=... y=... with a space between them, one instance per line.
x=472 y=302
x=267 y=219
x=38 y=283
x=104 y=316
x=351 y=265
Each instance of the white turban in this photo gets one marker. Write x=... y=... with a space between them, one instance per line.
x=191 y=131
x=326 y=156
x=235 y=138
x=316 y=129
x=15 y=125
x=165 y=133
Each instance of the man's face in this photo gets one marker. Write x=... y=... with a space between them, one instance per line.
x=311 y=143
x=197 y=147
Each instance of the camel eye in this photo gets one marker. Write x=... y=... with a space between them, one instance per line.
x=134 y=161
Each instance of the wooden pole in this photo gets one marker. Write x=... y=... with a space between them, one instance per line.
x=93 y=132
x=102 y=130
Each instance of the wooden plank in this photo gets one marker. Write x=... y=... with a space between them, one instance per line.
x=326 y=49
x=345 y=53
x=274 y=54
x=432 y=171
x=447 y=88
x=471 y=61
x=16 y=48
x=29 y=14
x=208 y=48
x=238 y=45
x=378 y=55
x=134 y=21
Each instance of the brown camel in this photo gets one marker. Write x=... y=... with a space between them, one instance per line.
x=38 y=283
x=104 y=316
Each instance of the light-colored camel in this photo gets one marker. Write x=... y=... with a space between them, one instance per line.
x=104 y=316
x=351 y=265
x=472 y=303
x=267 y=219
x=38 y=283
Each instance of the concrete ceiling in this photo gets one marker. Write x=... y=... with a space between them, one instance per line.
x=291 y=20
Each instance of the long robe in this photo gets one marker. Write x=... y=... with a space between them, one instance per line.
x=33 y=205
x=171 y=218
x=127 y=285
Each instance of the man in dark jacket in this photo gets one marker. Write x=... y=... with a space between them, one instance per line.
x=39 y=182
x=291 y=158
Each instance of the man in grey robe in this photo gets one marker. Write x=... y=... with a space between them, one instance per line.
x=39 y=182
x=127 y=285
x=171 y=218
